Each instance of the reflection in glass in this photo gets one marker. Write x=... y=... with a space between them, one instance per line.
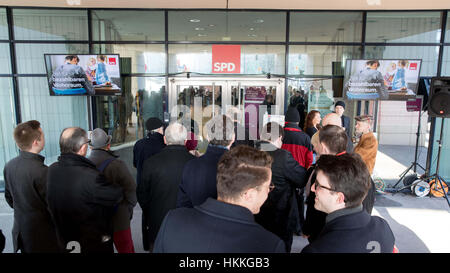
x=320 y=60
x=125 y=25
x=5 y=59
x=447 y=32
x=50 y=24
x=403 y=27
x=227 y=26
x=8 y=148
x=3 y=25
x=428 y=54
x=30 y=57
x=325 y=27
x=54 y=113
x=123 y=117
x=446 y=62
x=144 y=58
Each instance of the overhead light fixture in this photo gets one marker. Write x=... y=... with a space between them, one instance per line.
x=194 y=20
x=199 y=28
x=211 y=25
x=226 y=38
x=252 y=29
x=252 y=35
x=259 y=21
x=201 y=35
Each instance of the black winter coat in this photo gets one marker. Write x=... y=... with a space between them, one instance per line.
x=214 y=227
x=82 y=203
x=118 y=174
x=199 y=178
x=354 y=233
x=158 y=189
x=144 y=148
x=279 y=214
x=25 y=191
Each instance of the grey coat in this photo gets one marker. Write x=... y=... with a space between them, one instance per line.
x=117 y=173
x=25 y=192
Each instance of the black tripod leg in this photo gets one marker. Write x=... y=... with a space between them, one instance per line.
x=403 y=175
x=440 y=180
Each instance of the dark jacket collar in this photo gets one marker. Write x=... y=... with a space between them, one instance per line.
x=175 y=148
x=70 y=159
x=292 y=125
x=226 y=211
x=351 y=219
x=31 y=155
x=101 y=152
x=216 y=149
x=155 y=135
x=342 y=212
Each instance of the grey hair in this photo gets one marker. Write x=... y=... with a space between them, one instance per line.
x=71 y=142
x=234 y=113
x=175 y=134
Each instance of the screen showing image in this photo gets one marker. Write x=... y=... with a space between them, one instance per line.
x=381 y=79
x=83 y=75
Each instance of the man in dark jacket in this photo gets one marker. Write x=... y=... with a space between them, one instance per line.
x=225 y=225
x=242 y=133
x=279 y=214
x=341 y=185
x=299 y=144
x=117 y=173
x=26 y=190
x=161 y=177
x=150 y=145
x=80 y=199
x=339 y=108
x=199 y=175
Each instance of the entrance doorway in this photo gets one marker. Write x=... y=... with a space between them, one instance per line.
x=216 y=95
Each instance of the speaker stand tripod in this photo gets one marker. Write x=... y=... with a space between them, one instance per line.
x=413 y=164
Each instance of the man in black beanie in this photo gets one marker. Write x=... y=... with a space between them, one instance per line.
x=299 y=144
x=339 y=108
x=150 y=145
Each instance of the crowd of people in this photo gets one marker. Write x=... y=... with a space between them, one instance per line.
x=246 y=198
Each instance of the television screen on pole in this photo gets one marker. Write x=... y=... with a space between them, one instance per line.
x=83 y=74
x=393 y=79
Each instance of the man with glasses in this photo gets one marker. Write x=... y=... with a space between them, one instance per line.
x=279 y=214
x=225 y=225
x=341 y=184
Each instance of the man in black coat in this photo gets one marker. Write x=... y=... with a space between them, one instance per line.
x=199 y=175
x=242 y=133
x=150 y=145
x=26 y=190
x=161 y=177
x=80 y=199
x=341 y=184
x=279 y=214
x=225 y=225
x=339 y=108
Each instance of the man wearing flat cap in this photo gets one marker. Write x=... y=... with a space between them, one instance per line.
x=367 y=148
x=339 y=108
x=117 y=173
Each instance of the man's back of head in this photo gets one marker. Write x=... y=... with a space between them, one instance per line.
x=333 y=139
x=332 y=119
x=73 y=140
x=220 y=131
x=175 y=134
x=26 y=133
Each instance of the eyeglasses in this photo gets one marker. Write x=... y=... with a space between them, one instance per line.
x=316 y=184
x=87 y=142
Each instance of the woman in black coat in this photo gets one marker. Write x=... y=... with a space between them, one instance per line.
x=312 y=123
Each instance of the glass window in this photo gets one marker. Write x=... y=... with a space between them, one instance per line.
x=227 y=26
x=403 y=27
x=325 y=27
x=142 y=58
x=447 y=33
x=5 y=59
x=51 y=24
x=54 y=113
x=446 y=62
x=255 y=59
x=8 y=148
x=428 y=54
x=30 y=57
x=320 y=60
x=124 y=25
x=123 y=117
x=3 y=25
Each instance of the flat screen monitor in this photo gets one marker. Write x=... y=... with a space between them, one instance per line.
x=389 y=79
x=83 y=74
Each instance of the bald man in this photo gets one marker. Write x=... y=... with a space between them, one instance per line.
x=80 y=200
x=330 y=119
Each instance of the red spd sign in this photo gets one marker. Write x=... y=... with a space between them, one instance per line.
x=226 y=59
x=112 y=60
x=413 y=66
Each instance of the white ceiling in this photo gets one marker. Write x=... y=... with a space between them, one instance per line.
x=240 y=4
